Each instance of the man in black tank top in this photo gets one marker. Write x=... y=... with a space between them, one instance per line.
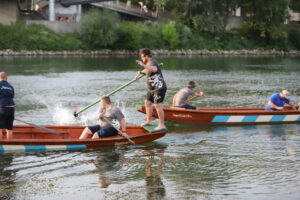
x=156 y=88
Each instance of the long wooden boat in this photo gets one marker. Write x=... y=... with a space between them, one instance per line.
x=29 y=138
x=226 y=116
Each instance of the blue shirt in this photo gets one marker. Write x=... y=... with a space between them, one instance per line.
x=277 y=100
x=6 y=94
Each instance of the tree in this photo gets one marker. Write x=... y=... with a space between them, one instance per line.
x=170 y=35
x=204 y=15
x=295 y=6
x=266 y=17
x=99 y=28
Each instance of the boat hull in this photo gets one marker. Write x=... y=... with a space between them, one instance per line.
x=28 y=138
x=226 y=116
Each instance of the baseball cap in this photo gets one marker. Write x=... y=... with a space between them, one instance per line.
x=285 y=92
x=191 y=84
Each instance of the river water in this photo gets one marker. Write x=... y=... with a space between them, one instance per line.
x=190 y=162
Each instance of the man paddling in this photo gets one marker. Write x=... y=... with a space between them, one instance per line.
x=7 y=106
x=276 y=101
x=157 y=88
x=110 y=119
x=180 y=98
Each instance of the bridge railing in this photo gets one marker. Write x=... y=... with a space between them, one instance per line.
x=129 y=8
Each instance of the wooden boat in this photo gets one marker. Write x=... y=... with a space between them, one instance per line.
x=226 y=116
x=29 y=138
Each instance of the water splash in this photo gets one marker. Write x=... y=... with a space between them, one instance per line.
x=62 y=115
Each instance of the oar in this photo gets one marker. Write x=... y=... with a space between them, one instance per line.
x=120 y=132
x=109 y=94
x=40 y=127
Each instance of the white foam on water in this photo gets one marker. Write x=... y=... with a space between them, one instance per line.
x=62 y=115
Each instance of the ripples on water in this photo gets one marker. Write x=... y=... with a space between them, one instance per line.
x=192 y=162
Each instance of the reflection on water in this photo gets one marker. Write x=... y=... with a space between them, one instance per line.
x=7 y=177
x=191 y=162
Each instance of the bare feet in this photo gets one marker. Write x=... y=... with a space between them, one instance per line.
x=146 y=123
x=158 y=128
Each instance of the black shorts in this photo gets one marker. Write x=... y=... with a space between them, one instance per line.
x=157 y=96
x=7 y=116
x=103 y=132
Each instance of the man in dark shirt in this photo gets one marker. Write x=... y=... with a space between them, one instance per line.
x=156 y=88
x=7 y=106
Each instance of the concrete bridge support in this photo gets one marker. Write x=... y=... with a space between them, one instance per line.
x=8 y=11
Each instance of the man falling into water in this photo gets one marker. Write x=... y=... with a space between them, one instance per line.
x=7 y=106
x=156 y=88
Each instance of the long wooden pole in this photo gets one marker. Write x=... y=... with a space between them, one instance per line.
x=40 y=127
x=119 y=131
x=109 y=94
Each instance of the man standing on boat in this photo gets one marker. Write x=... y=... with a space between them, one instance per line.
x=277 y=101
x=180 y=99
x=111 y=119
x=157 y=88
x=7 y=106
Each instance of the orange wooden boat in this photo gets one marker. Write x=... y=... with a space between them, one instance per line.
x=29 y=138
x=226 y=116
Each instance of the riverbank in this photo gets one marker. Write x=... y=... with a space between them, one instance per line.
x=158 y=52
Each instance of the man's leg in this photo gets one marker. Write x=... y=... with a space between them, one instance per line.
x=149 y=110
x=161 y=116
x=1 y=134
x=86 y=133
x=9 y=134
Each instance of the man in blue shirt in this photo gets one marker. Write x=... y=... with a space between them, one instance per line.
x=277 y=101
x=7 y=106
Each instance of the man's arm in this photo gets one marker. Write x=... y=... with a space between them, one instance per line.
x=123 y=125
x=292 y=105
x=174 y=100
x=149 y=67
x=270 y=103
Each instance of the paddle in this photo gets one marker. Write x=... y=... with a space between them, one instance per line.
x=111 y=93
x=120 y=132
x=40 y=127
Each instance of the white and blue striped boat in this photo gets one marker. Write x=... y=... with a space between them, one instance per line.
x=30 y=138
x=227 y=116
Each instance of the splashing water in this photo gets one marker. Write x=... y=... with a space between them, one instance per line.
x=62 y=115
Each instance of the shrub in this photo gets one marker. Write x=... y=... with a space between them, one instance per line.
x=170 y=35
x=185 y=35
x=18 y=37
x=294 y=38
x=130 y=36
x=99 y=29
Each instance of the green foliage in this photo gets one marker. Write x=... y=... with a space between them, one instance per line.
x=151 y=36
x=266 y=17
x=295 y=5
x=99 y=28
x=135 y=36
x=130 y=36
x=18 y=37
x=294 y=38
x=170 y=35
x=185 y=35
x=205 y=15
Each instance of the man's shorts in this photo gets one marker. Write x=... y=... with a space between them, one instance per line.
x=157 y=96
x=7 y=116
x=188 y=106
x=103 y=132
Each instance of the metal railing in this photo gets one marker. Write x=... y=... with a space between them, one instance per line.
x=127 y=8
